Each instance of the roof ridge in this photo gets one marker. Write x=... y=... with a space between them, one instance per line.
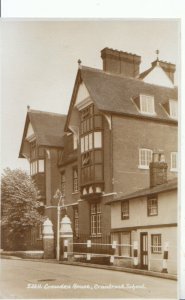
x=46 y=112
x=126 y=77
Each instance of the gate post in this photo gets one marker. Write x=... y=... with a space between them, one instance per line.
x=66 y=238
x=165 y=258
x=135 y=248
x=48 y=239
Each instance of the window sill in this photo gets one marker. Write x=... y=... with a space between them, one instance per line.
x=74 y=193
x=143 y=167
x=174 y=170
x=96 y=236
x=152 y=114
x=153 y=215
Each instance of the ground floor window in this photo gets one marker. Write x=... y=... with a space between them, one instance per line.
x=76 y=221
x=123 y=240
x=156 y=243
x=96 y=215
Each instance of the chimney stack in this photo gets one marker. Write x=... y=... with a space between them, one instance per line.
x=158 y=169
x=119 y=62
x=168 y=68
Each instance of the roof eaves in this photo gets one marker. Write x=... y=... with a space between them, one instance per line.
x=169 y=186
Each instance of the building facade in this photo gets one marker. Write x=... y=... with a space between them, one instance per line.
x=148 y=217
x=117 y=118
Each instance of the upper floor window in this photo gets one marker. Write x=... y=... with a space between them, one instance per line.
x=125 y=210
x=75 y=142
x=152 y=206
x=173 y=161
x=156 y=243
x=33 y=153
x=37 y=166
x=75 y=180
x=95 y=211
x=145 y=157
x=173 y=109
x=147 y=104
x=91 y=145
x=63 y=183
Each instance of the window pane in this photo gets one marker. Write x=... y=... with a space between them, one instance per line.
x=41 y=165
x=82 y=144
x=75 y=142
x=90 y=141
x=98 y=156
x=98 y=172
x=174 y=160
x=145 y=157
x=97 y=140
x=173 y=109
x=147 y=103
x=125 y=242
x=86 y=142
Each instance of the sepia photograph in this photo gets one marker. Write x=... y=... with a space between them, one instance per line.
x=89 y=180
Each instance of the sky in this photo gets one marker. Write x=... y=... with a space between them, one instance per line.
x=39 y=64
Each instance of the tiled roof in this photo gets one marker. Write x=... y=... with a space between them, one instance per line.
x=168 y=186
x=48 y=127
x=114 y=93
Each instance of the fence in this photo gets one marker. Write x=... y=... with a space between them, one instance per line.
x=89 y=250
x=99 y=245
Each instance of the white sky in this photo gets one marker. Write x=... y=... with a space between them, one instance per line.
x=39 y=64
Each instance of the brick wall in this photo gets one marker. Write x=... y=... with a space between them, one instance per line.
x=129 y=135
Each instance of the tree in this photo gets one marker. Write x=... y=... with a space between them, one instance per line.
x=20 y=205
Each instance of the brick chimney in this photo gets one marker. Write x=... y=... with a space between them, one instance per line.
x=168 y=68
x=158 y=169
x=119 y=62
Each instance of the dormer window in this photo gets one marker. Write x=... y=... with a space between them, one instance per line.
x=173 y=109
x=147 y=104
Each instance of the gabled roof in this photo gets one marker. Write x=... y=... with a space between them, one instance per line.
x=48 y=128
x=168 y=186
x=115 y=93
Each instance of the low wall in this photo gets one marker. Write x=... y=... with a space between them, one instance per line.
x=24 y=254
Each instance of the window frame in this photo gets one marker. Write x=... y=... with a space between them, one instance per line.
x=75 y=180
x=171 y=109
x=147 y=99
x=126 y=216
x=172 y=169
x=150 y=206
x=156 y=249
x=76 y=220
x=95 y=219
x=63 y=183
x=144 y=166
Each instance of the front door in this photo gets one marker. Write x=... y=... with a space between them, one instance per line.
x=144 y=250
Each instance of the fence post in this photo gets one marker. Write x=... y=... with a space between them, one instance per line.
x=48 y=239
x=135 y=248
x=165 y=258
x=88 y=249
x=114 y=245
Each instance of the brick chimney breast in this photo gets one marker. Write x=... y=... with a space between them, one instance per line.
x=119 y=62
x=158 y=169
